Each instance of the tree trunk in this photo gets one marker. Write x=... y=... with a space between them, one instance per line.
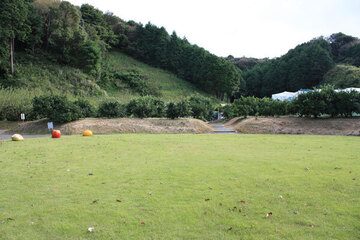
x=12 y=56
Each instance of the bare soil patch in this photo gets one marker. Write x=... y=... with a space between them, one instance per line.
x=119 y=125
x=296 y=125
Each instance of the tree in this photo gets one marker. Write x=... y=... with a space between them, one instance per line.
x=66 y=35
x=13 y=23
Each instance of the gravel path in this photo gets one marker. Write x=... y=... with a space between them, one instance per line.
x=219 y=128
x=8 y=137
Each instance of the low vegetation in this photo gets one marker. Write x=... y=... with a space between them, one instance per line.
x=325 y=101
x=137 y=186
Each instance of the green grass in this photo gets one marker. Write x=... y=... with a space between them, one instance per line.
x=170 y=87
x=40 y=199
x=36 y=74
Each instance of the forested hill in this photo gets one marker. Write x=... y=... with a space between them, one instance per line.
x=79 y=37
x=333 y=60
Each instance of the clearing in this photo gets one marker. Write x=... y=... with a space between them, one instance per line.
x=181 y=186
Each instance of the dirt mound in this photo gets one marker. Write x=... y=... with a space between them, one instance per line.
x=119 y=125
x=296 y=125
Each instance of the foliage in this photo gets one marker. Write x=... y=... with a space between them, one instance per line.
x=86 y=109
x=145 y=107
x=327 y=101
x=343 y=76
x=301 y=68
x=13 y=25
x=57 y=108
x=13 y=102
x=201 y=107
x=340 y=44
x=112 y=109
x=176 y=110
x=135 y=81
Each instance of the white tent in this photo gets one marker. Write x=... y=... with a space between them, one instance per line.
x=284 y=96
x=352 y=89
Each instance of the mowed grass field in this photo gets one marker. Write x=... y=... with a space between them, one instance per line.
x=144 y=186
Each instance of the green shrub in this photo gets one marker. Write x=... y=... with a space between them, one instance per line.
x=86 y=109
x=57 y=108
x=201 y=107
x=180 y=109
x=145 y=107
x=112 y=109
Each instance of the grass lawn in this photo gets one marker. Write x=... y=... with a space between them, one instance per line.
x=181 y=187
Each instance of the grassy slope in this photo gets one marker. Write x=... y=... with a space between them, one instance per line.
x=167 y=84
x=40 y=199
x=34 y=72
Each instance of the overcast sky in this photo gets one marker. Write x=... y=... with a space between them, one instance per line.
x=251 y=28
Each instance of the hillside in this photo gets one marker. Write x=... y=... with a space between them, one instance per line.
x=41 y=76
x=343 y=76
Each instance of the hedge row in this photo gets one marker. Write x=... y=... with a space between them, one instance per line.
x=311 y=104
x=60 y=110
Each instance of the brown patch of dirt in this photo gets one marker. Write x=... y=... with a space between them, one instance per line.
x=118 y=125
x=296 y=125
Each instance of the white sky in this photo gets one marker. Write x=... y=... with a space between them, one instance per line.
x=251 y=28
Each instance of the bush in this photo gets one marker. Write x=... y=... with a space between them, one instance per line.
x=112 y=109
x=180 y=109
x=86 y=109
x=145 y=107
x=201 y=107
x=57 y=108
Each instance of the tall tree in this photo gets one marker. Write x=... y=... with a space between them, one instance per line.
x=13 y=22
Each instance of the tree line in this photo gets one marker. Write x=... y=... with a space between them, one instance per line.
x=79 y=36
x=303 y=67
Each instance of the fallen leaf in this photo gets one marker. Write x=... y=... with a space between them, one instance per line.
x=242 y=201
x=269 y=214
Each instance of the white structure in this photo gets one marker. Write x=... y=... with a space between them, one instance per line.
x=289 y=96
